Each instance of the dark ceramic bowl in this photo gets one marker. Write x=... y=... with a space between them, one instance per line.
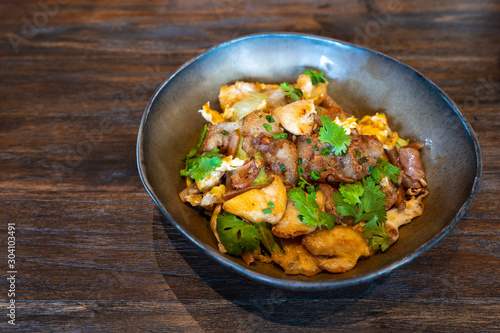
x=362 y=82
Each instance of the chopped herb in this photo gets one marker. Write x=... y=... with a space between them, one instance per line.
x=363 y=160
x=377 y=235
x=267 y=211
x=310 y=213
x=308 y=141
x=268 y=127
x=357 y=153
x=315 y=148
x=294 y=93
x=362 y=201
x=325 y=151
x=270 y=119
x=279 y=136
x=193 y=151
x=224 y=132
x=243 y=122
x=316 y=77
x=324 y=169
x=301 y=169
x=315 y=175
x=282 y=167
x=385 y=169
x=201 y=166
x=335 y=135
x=270 y=204
x=236 y=235
x=300 y=160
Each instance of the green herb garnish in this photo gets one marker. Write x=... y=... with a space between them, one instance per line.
x=385 y=169
x=201 y=166
x=268 y=127
x=316 y=77
x=335 y=135
x=236 y=235
x=309 y=209
x=294 y=93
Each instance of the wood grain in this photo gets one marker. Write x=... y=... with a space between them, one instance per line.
x=93 y=253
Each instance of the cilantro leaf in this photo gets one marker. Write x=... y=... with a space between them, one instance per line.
x=194 y=151
x=201 y=166
x=385 y=169
x=376 y=234
x=294 y=93
x=316 y=77
x=309 y=209
x=237 y=235
x=335 y=135
x=363 y=204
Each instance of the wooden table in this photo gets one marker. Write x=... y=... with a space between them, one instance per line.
x=92 y=253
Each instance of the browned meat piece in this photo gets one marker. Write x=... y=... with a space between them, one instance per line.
x=391 y=192
x=280 y=155
x=216 y=139
x=296 y=259
x=234 y=141
x=252 y=125
x=290 y=226
x=346 y=168
x=413 y=168
x=246 y=174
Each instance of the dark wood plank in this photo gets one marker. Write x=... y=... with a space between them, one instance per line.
x=94 y=254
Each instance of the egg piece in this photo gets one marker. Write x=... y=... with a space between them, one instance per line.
x=210 y=115
x=377 y=125
x=297 y=117
x=253 y=205
x=349 y=124
x=315 y=92
x=214 y=178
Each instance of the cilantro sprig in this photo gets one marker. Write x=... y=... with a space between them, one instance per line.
x=365 y=202
x=316 y=77
x=199 y=167
x=193 y=151
x=376 y=234
x=309 y=209
x=362 y=201
x=385 y=169
x=236 y=235
x=295 y=94
x=335 y=135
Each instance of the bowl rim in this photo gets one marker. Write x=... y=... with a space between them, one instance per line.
x=302 y=284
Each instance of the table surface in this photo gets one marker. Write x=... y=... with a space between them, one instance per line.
x=92 y=252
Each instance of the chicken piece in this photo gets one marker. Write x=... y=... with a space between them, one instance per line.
x=252 y=125
x=253 y=204
x=281 y=156
x=347 y=168
x=213 y=226
x=277 y=99
x=397 y=218
x=336 y=250
x=315 y=92
x=297 y=117
x=296 y=259
x=290 y=226
x=215 y=137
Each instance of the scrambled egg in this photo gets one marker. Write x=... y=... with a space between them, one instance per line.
x=210 y=115
x=348 y=124
x=377 y=125
x=213 y=179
